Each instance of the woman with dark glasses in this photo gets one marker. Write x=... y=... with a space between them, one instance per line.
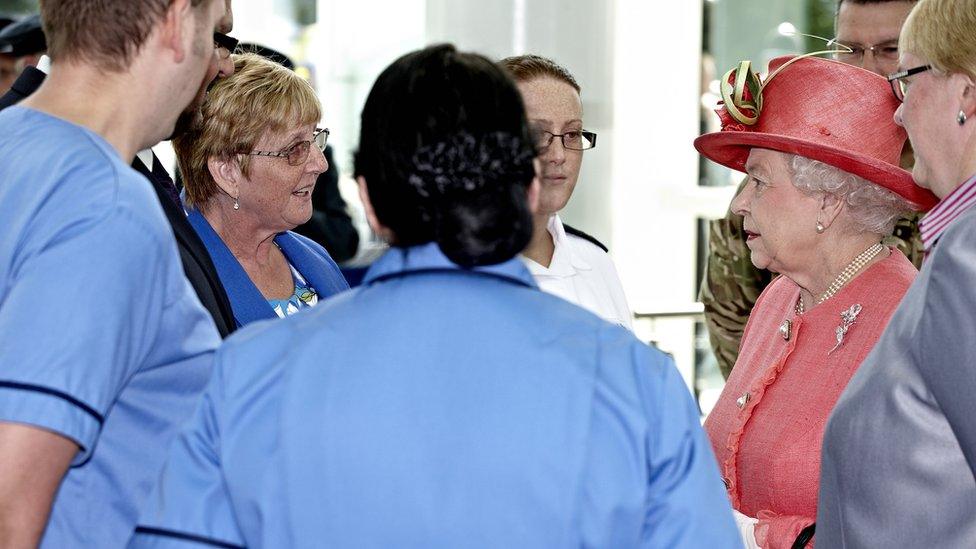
x=899 y=453
x=249 y=172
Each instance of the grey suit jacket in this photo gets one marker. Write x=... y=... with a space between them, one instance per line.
x=899 y=453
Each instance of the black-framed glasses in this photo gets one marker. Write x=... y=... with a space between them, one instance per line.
x=224 y=44
x=297 y=154
x=854 y=53
x=576 y=140
x=899 y=86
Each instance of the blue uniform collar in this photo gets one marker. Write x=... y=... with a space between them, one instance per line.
x=428 y=257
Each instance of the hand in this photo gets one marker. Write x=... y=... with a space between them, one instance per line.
x=747 y=529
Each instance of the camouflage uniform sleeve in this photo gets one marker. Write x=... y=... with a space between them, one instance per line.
x=730 y=288
x=906 y=238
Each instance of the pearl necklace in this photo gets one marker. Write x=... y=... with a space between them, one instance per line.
x=846 y=275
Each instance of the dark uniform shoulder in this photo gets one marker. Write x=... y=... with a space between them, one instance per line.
x=576 y=232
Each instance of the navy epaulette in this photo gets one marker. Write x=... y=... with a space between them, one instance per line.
x=584 y=236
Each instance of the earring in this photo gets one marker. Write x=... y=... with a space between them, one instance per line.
x=820 y=228
x=237 y=204
x=961 y=117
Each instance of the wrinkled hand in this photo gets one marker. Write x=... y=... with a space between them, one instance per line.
x=747 y=529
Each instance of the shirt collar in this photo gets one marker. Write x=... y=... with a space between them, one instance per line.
x=146 y=156
x=44 y=64
x=429 y=257
x=565 y=261
x=945 y=212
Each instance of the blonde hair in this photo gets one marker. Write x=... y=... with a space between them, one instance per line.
x=260 y=97
x=941 y=31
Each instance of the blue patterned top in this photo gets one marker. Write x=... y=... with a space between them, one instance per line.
x=303 y=297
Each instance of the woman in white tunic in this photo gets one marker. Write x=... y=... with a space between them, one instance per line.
x=564 y=261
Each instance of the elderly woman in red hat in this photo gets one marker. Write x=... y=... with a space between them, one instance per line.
x=817 y=139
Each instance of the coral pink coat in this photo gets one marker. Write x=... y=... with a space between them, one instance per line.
x=768 y=424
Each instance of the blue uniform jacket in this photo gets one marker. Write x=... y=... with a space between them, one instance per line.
x=308 y=258
x=441 y=407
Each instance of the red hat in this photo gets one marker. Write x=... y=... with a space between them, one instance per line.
x=821 y=109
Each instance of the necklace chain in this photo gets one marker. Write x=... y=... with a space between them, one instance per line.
x=846 y=275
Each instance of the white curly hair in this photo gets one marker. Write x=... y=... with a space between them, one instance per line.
x=873 y=208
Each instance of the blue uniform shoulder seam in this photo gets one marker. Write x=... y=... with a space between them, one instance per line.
x=57 y=394
x=202 y=540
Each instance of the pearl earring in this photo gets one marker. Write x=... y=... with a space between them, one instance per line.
x=820 y=228
x=237 y=204
x=961 y=118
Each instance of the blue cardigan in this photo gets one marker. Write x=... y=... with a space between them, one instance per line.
x=249 y=305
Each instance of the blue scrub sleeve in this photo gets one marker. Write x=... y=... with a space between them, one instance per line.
x=190 y=505
x=81 y=312
x=687 y=505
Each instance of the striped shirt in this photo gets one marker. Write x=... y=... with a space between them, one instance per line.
x=945 y=212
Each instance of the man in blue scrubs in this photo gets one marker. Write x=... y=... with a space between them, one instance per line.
x=104 y=347
x=447 y=402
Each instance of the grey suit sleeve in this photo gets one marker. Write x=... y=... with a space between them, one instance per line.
x=947 y=332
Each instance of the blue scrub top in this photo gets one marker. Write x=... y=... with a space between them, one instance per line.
x=440 y=407
x=102 y=339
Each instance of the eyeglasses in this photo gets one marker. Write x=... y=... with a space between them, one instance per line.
x=887 y=51
x=578 y=140
x=899 y=86
x=224 y=45
x=297 y=154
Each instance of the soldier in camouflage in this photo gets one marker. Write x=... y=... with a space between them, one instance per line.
x=870 y=28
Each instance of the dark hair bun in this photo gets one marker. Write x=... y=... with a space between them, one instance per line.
x=485 y=228
x=467 y=183
x=445 y=150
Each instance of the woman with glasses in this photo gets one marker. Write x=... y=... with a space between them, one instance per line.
x=564 y=261
x=899 y=457
x=249 y=171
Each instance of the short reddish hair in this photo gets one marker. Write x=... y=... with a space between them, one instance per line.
x=107 y=33
x=529 y=67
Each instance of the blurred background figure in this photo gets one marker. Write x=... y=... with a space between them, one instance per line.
x=899 y=457
x=21 y=45
x=331 y=225
x=564 y=261
x=446 y=402
x=732 y=284
x=249 y=170
x=6 y=64
x=824 y=188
